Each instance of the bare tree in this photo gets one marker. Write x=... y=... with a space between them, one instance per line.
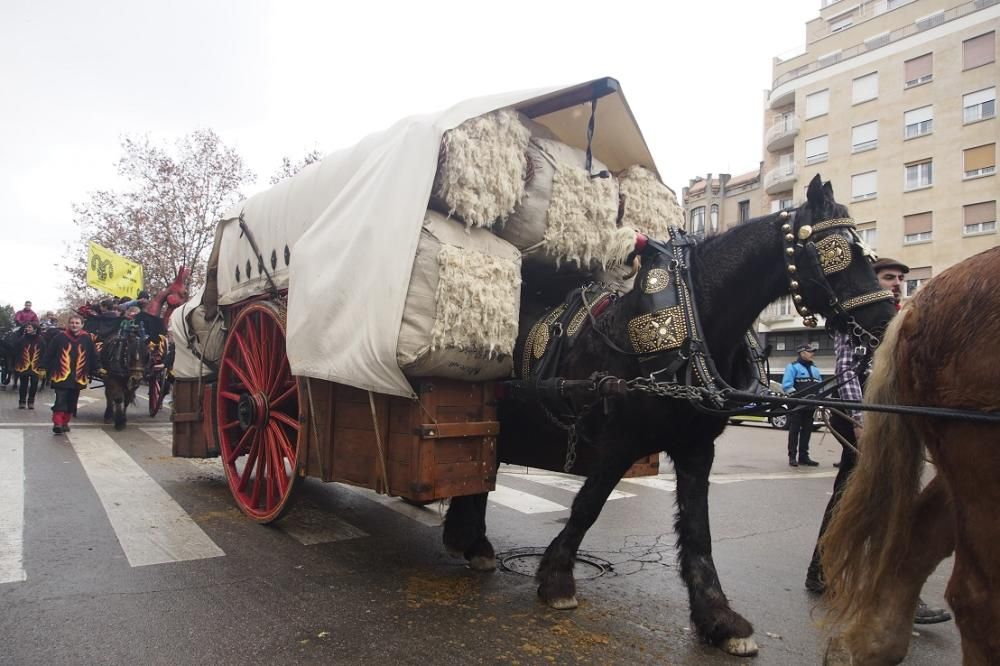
x=288 y=169
x=166 y=216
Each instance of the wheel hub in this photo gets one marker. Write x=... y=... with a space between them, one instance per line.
x=252 y=410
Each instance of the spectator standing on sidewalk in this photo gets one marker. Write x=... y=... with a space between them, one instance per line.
x=800 y=375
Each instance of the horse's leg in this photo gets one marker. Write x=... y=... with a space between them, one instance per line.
x=967 y=457
x=465 y=531
x=714 y=620
x=120 y=407
x=884 y=637
x=555 y=572
x=109 y=410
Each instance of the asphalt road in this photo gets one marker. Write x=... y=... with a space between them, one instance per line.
x=116 y=553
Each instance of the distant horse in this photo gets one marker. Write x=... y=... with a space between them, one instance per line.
x=734 y=277
x=887 y=535
x=125 y=350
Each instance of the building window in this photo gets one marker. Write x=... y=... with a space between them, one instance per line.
x=918 y=175
x=918 y=122
x=816 y=149
x=980 y=161
x=743 y=210
x=817 y=104
x=918 y=70
x=893 y=4
x=917 y=228
x=980 y=218
x=840 y=24
x=698 y=220
x=864 y=137
x=869 y=234
x=915 y=278
x=864 y=185
x=780 y=204
x=979 y=50
x=979 y=105
x=714 y=217
x=865 y=88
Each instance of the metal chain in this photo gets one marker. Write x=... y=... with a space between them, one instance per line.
x=862 y=334
x=571 y=436
x=666 y=389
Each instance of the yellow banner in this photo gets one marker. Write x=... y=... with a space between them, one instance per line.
x=113 y=273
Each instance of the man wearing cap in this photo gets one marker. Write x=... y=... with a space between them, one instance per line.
x=891 y=275
x=800 y=375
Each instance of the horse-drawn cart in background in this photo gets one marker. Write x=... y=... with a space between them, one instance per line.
x=291 y=363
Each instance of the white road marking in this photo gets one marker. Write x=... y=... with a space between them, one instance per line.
x=12 y=506
x=570 y=483
x=657 y=482
x=427 y=515
x=522 y=501
x=151 y=527
x=162 y=434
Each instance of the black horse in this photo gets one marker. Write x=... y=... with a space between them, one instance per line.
x=125 y=348
x=733 y=277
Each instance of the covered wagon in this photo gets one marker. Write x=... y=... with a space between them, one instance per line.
x=358 y=316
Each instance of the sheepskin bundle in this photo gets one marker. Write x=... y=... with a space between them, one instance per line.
x=482 y=167
x=565 y=215
x=461 y=311
x=648 y=205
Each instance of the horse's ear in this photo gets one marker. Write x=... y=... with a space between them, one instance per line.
x=814 y=193
x=828 y=190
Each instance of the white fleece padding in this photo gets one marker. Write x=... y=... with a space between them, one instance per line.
x=193 y=335
x=460 y=317
x=582 y=220
x=649 y=206
x=525 y=229
x=483 y=168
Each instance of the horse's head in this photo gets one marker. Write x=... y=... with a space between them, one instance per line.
x=829 y=267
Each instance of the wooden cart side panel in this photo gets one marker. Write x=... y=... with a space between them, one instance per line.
x=192 y=425
x=318 y=418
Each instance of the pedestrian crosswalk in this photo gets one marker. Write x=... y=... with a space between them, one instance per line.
x=152 y=528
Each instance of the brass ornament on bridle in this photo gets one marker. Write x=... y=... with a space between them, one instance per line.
x=657 y=280
x=834 y=254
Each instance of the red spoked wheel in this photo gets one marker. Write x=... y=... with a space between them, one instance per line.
x=257 y=412
x=157 y=380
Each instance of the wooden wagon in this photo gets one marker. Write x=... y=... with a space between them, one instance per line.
x=272 y=426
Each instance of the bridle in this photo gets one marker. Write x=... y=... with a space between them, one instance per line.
x=811 y=255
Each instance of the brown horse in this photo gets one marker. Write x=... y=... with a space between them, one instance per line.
x=887 y=535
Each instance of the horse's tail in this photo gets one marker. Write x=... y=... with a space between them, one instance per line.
x=870 y=528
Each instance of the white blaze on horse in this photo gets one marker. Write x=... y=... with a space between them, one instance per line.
x=887 y=534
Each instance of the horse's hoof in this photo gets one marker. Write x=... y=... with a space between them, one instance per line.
x=568 y=603
x=740 y=647
x=482 y=563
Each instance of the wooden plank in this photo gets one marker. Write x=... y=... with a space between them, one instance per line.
x=448 y=451
x=465 y=429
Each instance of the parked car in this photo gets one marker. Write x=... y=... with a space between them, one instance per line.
x=778 y=420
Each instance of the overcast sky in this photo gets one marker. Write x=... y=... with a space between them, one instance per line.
x=284 y=77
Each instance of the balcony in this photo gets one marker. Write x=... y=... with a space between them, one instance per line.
x=780 y=179
x=781 y=135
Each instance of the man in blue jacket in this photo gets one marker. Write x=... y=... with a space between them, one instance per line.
x=800 y=375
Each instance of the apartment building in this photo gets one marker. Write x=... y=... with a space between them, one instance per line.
x=894 y=102
x=714 y=204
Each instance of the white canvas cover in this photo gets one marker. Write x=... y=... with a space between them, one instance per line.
x=352 y=221
x=194 y=336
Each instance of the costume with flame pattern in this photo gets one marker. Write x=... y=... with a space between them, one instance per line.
x=70 y=359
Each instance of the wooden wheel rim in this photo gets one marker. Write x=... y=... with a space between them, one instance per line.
x=257 y=412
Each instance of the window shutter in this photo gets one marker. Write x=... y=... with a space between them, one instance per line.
x=921 y=273
x=865 y=88
x=919 y=67
x=979 y=97
x=863 y=183
x=817 y=103
x=979 y=50
x=981 y=212
x=980 y=156
x=864 y=133
x=817 y=146
x=918 y=115
x=916 y=224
